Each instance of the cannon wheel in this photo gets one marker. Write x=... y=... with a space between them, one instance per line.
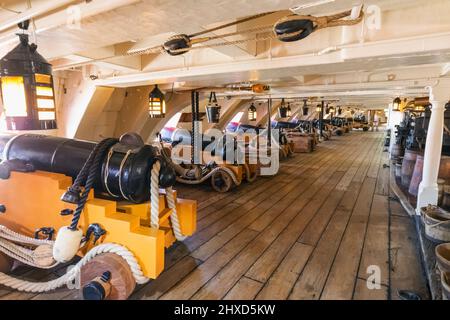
x=221 y=181
x=6 y=263
x=122 y=280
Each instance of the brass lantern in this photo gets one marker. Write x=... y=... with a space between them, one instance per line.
x=305 y=107
x=283 y=110
x=156 y=104
x=288 y=110
x=252 y=114
x=419 y=108
x=331 y=110
x=213 y=109
x=27 y=88
x=396 y=104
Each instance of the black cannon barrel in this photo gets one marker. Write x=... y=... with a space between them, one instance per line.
x=47 y=153
x=125 y=173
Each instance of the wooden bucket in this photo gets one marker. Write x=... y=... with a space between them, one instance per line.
x=443 y=257
x=409 y=162
x=416 y=178
x=397 y=151
x=437 y=228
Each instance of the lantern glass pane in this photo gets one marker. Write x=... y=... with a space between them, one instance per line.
x=44 y=91
x=14 y=100
x=46 y=115
x=43 y=78
x=45 y=104
x=155 y=108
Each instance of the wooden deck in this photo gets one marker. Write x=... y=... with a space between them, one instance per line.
x=311 y=232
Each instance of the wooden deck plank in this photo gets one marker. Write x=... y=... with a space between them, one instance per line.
x=266 y=264
x=405 y=258
x=169 y=278
x=311 y=281
x=382 y=187
x=196 y=279
x=280 y=283
x=245 y=289
x=375 y=252
x=362 y=292
x=342 y=277
x=262 y=269
x=286 y=194
x=217 y=287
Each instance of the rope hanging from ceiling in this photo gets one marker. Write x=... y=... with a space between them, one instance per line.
x=288 y=29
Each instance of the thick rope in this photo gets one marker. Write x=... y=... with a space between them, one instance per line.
x=174 y=216
x=98 y=154
x=154 y=195
x=22 y=254
x=70 y=276
x=8 y=234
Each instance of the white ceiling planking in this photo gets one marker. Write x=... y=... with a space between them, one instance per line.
x=145 y=23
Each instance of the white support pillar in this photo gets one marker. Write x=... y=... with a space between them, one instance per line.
x=428 y=189
x=395 y=117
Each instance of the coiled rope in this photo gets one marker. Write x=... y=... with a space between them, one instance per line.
x=154 y=204
x=73 y=273
x=88 y=175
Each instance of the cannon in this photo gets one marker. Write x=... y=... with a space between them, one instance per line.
x=413 y=131
x=110 y=203
x=300 y=133
x=224 y=161
x=360 y=122
x=124 y=168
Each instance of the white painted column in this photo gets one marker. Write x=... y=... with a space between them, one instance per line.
x=395 y=117
x=428 y=189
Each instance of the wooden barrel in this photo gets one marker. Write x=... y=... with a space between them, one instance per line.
x=416 y=178
x=409 y=162
x=444 y=168
x=446 y=197
x=444 y=173
x=397 y=151
x=441 y=184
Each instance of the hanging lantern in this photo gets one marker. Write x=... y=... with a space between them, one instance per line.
x=252 y=114
x=288 y=111
x=419 y=108
x=396 y=104
x=213 y=109
x=282 y=111
x=319 y=108
x=305 y=108
x=331 y=110
x=27 y=88
x=156 y=104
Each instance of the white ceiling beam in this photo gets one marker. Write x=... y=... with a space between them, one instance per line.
x=36 y=10
x=378 y=55
x=49 y=19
